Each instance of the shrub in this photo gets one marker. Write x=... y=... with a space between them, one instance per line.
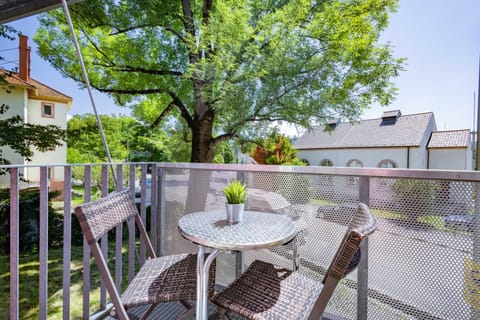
x=276 y=149
x=414 y=197
x=29 y=204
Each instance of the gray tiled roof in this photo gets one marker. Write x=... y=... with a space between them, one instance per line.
x=407 y=131
x=450 y=139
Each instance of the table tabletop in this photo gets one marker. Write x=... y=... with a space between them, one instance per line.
x=256 y=230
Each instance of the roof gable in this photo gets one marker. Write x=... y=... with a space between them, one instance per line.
x=408 y=130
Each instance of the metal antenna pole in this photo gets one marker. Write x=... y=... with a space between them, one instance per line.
x=89 y=89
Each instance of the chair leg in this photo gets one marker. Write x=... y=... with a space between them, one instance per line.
x=186 y=304
x=221 y=312
x=149 y=311
x=189 y=314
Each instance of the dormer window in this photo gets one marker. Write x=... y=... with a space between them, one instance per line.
x=389 y=118
x=333 y=123
x=48 y=110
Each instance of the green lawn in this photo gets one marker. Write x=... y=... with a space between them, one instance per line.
x=28 y=289
x=434 y=221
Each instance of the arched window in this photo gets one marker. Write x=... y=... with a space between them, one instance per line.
x=387 y=164
x=326 y=163
x=355 y=163
x=305 y=161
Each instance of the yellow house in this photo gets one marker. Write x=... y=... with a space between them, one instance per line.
x=39 y=104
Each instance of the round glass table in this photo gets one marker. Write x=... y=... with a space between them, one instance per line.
x=210 y=229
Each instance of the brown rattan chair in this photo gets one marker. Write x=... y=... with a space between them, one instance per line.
x=160 y=279
x=266 y=291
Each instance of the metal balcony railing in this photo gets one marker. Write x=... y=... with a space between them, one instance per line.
x=423 y=262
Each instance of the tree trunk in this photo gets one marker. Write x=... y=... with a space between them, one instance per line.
x=202 y=140
x=202 y=151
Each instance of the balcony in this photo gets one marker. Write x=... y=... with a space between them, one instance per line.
x=423 y=261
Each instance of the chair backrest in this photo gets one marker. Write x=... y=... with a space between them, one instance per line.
x=97 y=218
x=347 y=257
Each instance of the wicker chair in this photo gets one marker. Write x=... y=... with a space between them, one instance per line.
x=160 y=279
x=266 y=291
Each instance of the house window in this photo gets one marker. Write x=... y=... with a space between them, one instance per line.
x=307 y=163
x=387 y=164
x=355 y=163
x=326 y=163
x=48 y=110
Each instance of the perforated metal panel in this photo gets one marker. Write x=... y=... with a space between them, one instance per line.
x=424 y=258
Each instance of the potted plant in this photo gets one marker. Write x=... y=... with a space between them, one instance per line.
x=236 y=194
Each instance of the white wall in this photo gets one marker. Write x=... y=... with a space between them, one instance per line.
x=419 y=156
x=16 y=99
x=370 y=157
x=59 y=155
x=449 y=159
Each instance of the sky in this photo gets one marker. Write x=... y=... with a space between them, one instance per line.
x=439 y=38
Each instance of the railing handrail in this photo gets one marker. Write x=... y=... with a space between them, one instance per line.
x=460 y=175
x=431 y=174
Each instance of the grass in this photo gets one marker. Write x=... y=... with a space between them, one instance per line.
x=434 y=221
x=320 y=202
x=29 y=289
x=376 y=212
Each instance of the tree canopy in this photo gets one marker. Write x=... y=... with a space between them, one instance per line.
x=227 y=69
x=128 y=140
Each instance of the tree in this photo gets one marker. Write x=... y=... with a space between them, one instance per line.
x=84 y=140
x=276 y=149
x=227 y=69
x=128 y=140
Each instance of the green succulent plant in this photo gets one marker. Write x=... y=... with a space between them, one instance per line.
x=235 y=192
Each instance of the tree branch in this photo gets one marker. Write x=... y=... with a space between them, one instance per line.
x=85 y=34
x=129 y=91
x=207 y=8
x=223 y=137
x=179 y=36
x=141 y=70
x=120 y=31
x=163 y=114
x=188 y=18
x=183 y=109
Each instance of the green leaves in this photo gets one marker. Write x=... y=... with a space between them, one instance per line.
x=275 y=149
x=235 y=192
x=228 y=68
x=25 y=138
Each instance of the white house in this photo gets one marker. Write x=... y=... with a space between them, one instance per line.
x=36 y=103
x=392 y=141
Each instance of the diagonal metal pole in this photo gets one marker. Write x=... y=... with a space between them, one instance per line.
x=89 y=88
x=477 y=150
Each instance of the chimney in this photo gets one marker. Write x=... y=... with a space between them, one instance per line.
x=24 y=55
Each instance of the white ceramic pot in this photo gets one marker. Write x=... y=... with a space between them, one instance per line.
x=234 y=212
